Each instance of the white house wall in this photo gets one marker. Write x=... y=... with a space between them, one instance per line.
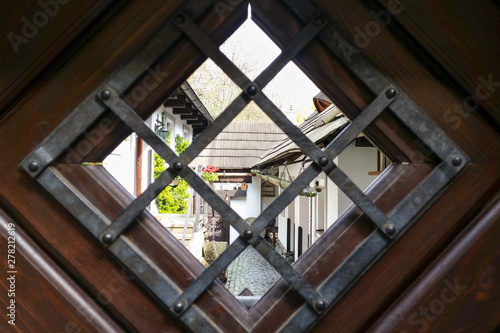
x=247 y=207
x=356 y=162
x=331 y=202
x=121 y=163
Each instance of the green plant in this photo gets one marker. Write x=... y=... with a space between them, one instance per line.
x=168 y=138
x=172 y=200
x=209 y=173
x=180 y=144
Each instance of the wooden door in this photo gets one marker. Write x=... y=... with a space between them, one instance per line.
x=70 y=70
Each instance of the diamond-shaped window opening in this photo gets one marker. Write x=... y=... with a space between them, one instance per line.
x=159 y=275
x=250 y=49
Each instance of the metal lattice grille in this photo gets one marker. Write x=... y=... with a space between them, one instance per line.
x=389 y=227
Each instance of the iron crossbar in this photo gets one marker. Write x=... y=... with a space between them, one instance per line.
x=129 y=117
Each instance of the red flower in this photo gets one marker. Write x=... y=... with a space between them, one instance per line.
x=210 y=168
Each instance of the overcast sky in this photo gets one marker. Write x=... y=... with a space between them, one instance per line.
x=291 y=84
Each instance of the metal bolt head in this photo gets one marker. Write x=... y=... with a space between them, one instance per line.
x=178 y=307
x=105 y=95
x=390 y=230
x=178 y=166
x=180 y=19
x=251 y=90
x=320 y=305
x=323 y=161
x=456 y=161
x=417 y=201
x=390 y=93
x=33 y=166
x=247 y=234
x=107 y=238
x=319 y=21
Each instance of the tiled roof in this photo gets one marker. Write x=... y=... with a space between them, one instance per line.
x=240 y=145
x=317 y=128
x=245 y=144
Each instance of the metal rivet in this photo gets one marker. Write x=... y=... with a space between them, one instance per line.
x=320 y=305
x=251 y=90
x=456 y=161
x=180 y=19
x=390 y=93
x=417 y=201
x=319 y=21
x=247 y=234
x=34 y=166
x=179 y=307
x=323 y=161
x=390 y=230
x=178 y=166
x=107 y=238
x=70 y=200
x=105 y=95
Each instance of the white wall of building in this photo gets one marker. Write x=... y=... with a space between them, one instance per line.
x=356 y=162
x=247 y=207
x=331 y=202
x=121 y=163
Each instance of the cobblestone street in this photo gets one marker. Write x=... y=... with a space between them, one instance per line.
x=250 y=270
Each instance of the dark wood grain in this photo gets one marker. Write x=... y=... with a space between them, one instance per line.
x=437 y=66
x=35 y=116
x=335 y=245
x=46 y=298
x=459 y=291
x=465 y=44
x=158 y=244
x=411 y=253
x=433 y=95
x=35 y=36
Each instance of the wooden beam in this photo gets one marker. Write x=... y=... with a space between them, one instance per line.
x=176 y=93
x=186 y=110
x=204 y=124
x=198 y=121
x=193 y=115
x=178 y=102
x=236 y=179
x=64 y=297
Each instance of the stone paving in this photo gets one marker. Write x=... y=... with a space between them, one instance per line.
x=250 y=270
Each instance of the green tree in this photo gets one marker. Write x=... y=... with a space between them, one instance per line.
x=172 y=200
